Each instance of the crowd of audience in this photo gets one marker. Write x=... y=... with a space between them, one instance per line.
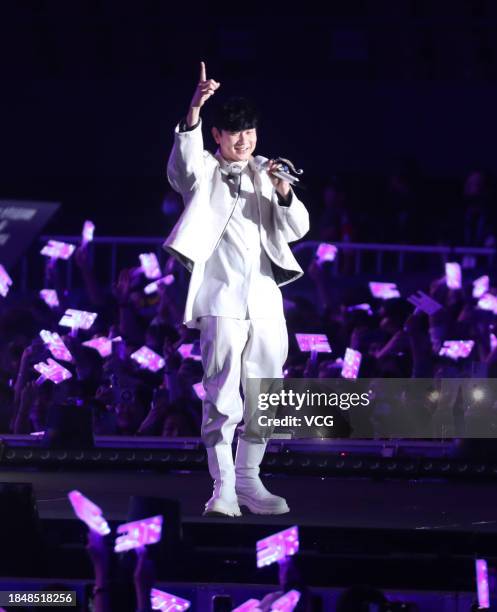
x=395 y=339
x=407 y=208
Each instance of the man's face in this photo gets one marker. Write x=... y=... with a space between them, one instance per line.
x=235 y=146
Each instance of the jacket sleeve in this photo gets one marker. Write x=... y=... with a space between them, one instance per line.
x=186 y=161
x=292 y=220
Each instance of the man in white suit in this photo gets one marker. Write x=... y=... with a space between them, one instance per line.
x=233 y=236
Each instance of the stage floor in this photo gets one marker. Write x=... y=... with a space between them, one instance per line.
x=361 y=503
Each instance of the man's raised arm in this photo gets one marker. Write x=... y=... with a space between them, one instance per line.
x=205 y=89
x=185 y=164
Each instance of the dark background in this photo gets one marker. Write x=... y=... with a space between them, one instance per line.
x=91 y=91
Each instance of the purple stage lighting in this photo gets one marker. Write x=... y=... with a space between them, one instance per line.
x=139 y=533
x=58 y=250
x=278 y=546
x=89 y=513
x=160 y=600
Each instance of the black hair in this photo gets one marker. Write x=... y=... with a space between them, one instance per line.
x=235 y=114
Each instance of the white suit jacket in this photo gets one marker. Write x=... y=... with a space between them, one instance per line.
x=196 y=175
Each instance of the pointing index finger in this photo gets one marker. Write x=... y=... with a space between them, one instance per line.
x=203 y=72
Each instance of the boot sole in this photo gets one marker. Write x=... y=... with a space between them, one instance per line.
x=220 y=514
x=261 y=509
x=218 y=509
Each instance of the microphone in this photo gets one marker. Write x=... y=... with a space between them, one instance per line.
x=283 y=173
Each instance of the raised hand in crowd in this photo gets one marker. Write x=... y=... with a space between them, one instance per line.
x=144 y=577
x=100 y=554
x=122 y=287
x=83 y=259
x=167 y=310
x=129 y=326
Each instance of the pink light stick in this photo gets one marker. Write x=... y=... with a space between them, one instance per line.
x=148 y=359
x=160 y=600
x=78 y=319
x=139 y=533
x=102 y=344
x=251 y=605
x=481 y=286
x=150 y=265
x=55 y=345
x=313 y=342
x=365 y=307
x=51 y=370
x=488 y=301
x=493 y=341
x=199 y=390
x=326 y=252
x=384 y=291
x=456 y=349
x=49 y=296
x=351 y=363
x=424 y=302
x=154 y=286
x=287 y=602
x=453 y=276
x=482 y=589
x=185 y=350
x=88 y=512
x=5 y=281
x=87 y=233
x=58 y=250
x=278 y=546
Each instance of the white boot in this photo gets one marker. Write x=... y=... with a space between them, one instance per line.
x=249 y=488
x=222 y=470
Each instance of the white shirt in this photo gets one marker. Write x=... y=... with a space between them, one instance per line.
x=238 y=280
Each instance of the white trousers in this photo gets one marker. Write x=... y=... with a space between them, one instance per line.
x=234 y=350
